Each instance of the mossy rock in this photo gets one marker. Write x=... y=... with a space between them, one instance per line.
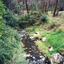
x=61 y=50
x=38 y=37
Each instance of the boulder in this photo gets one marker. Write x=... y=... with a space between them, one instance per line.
x=51 y=48
x=44 y=39
x=36 y=36
x=56 y=58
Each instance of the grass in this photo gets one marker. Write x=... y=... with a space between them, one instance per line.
x=56 y=39
x=55 y=35
x=59 y=19
x=18 y=57
x=42 y=46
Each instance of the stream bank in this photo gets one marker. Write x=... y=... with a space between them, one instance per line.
x=36 y=56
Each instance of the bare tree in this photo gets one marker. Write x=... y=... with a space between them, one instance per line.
x=57 y=3
x=58 y=10
x=46 y=5
x=55 y=7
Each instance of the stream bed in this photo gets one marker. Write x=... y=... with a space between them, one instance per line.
x=34 y=55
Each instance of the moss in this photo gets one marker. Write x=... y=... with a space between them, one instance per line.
x=61 y=50
x=42 y=46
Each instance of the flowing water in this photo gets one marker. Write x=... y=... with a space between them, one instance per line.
x=34 y=55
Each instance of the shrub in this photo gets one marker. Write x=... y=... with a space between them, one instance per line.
x=9 y=41
x=35 y=12
x=2 y=12
x=22 y=20
x=16 y=8
x=27 y=19
x=27 y=16
x=51 y=24
x=11 y=5
x=10 y=49
x=44 y=18
x=32 y=21
x=11 y=19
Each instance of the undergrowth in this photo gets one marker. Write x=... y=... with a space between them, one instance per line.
x=10 y=47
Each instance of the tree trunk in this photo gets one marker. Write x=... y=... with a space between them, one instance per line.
x=55 y=8
x=48 y=2
x=27 y=7
x=59 y=10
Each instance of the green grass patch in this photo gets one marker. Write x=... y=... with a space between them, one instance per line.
x=56 y=39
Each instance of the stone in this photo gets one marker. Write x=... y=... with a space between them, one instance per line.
x=36 y=36
x=21 y=39
x=23 y=31
x=63 y=59
x=40 y=61
x=37 y=33
x=39 y=53
x=44 y=39
x=33 y=57
x=29 y=48
x=29 y=51
x=26 y=48
x=56 y=58
x=50 y=49
x=62 y=53
x=34 y=62
x=28 y=55
x=21 y=35
x=43 y=58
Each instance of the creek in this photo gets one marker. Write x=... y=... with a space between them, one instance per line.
x=34 y=55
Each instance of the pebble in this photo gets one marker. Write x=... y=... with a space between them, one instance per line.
x=28 y=55
x=44 y=39
x=29 y=51
x=26 y=48
x=33 y=57
x=29 y=48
